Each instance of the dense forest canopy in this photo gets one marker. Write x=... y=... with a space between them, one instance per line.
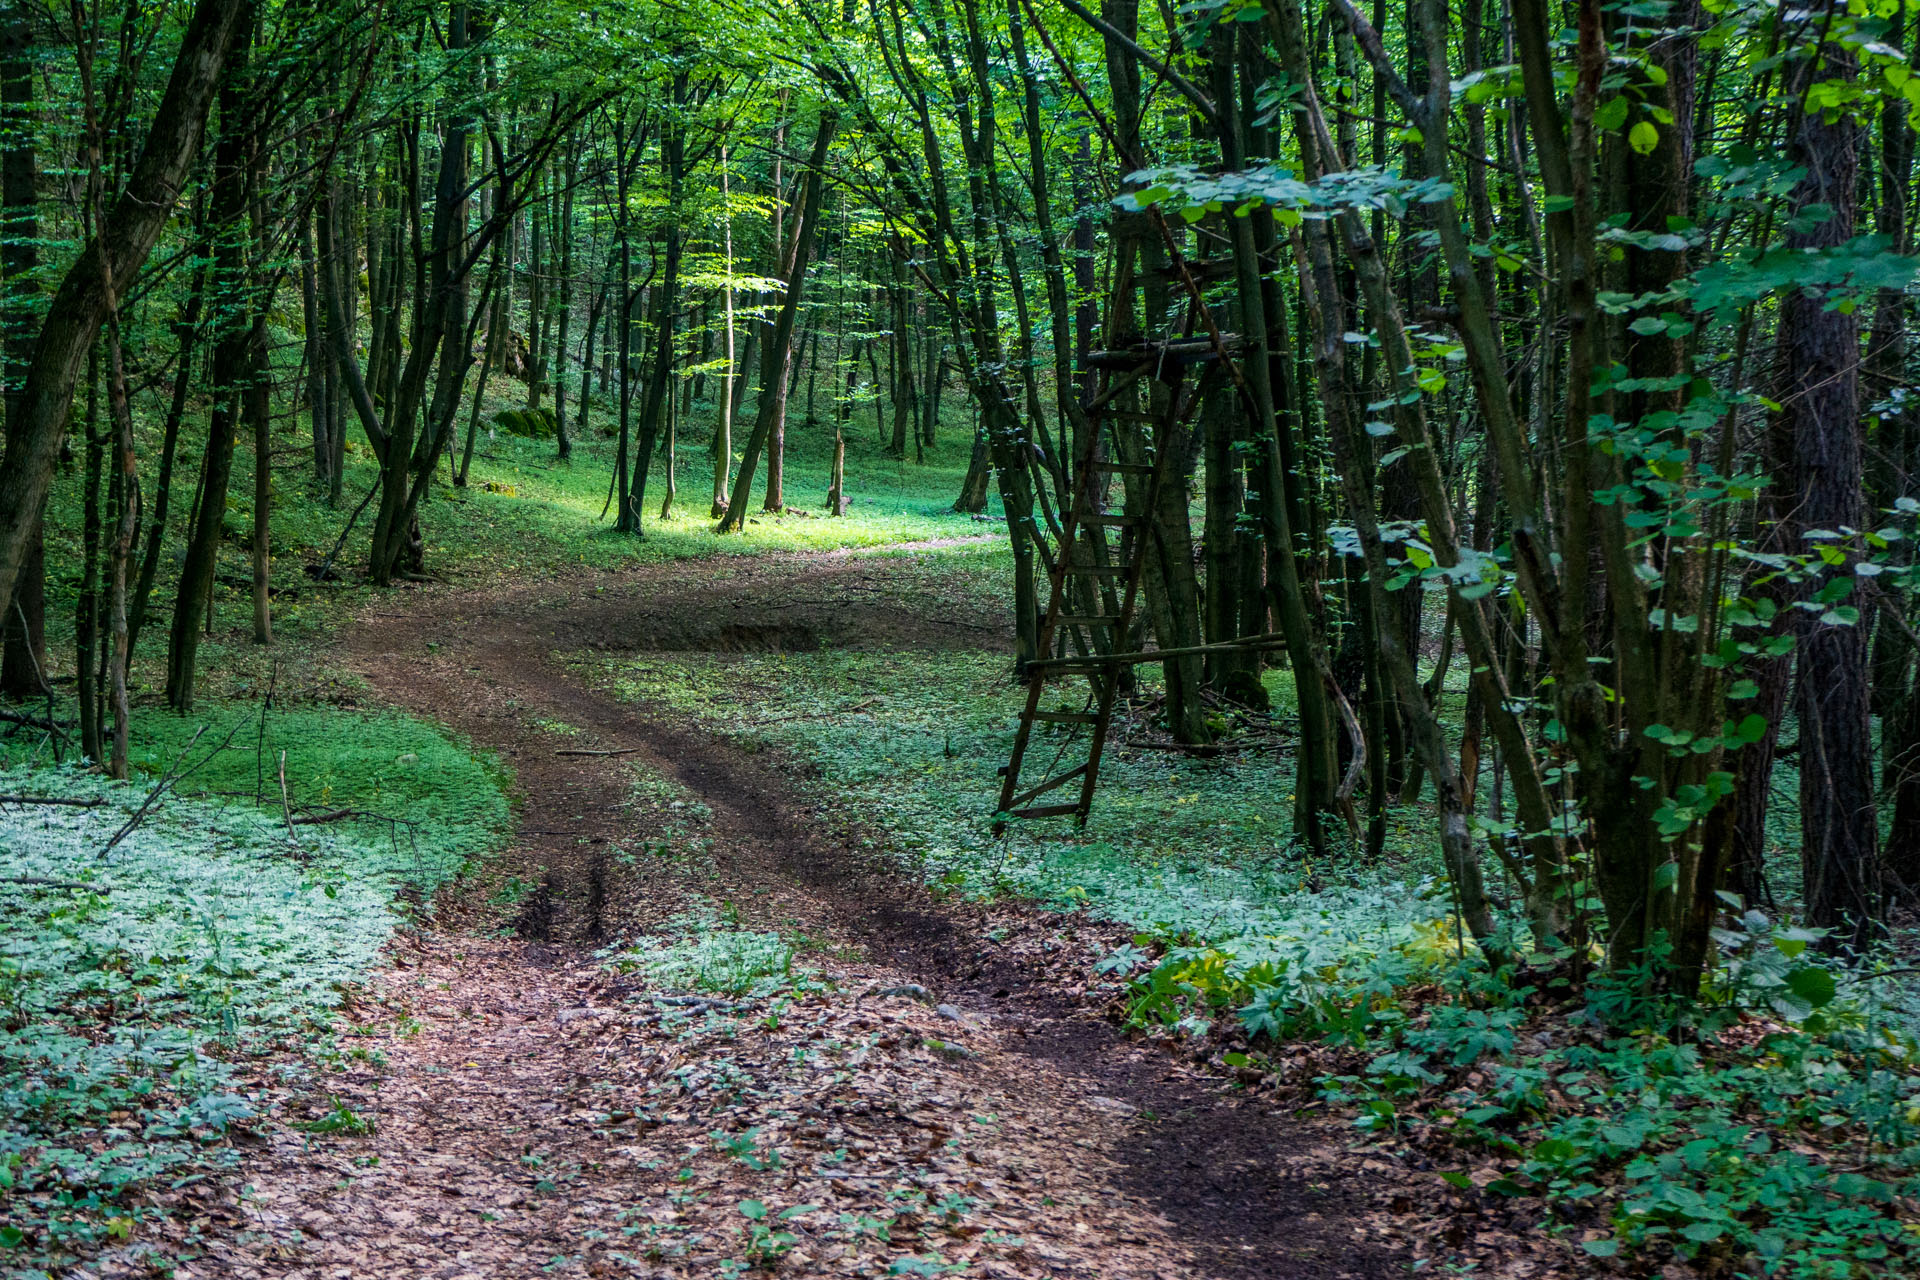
x=1531 y=382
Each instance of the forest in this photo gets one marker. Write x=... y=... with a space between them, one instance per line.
x=1004 y=638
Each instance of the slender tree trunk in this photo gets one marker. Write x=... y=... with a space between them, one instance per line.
x=187 y=332
x=259 y=415
x=773 y=387
x=234 y=320
x=723 y=429
x=564 y=228
x=120 y=551
x=86 y=622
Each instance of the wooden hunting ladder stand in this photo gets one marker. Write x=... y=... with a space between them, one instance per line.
x=1099 y=639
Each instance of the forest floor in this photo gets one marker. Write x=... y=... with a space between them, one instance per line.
x=934 y=1090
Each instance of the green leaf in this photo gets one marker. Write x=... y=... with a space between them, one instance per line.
x=1643 y=137
x=1813 y=984
x=1664 y=875
x=1601 y=1248
x=1792 y=1007
x=753 y=1209
x=1454 y=1178
x=1611 y=114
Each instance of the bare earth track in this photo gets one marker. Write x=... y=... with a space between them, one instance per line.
x=954 y=1093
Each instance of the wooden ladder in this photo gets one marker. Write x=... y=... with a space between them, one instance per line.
x=1101 y=637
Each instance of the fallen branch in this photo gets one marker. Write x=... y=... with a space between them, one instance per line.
x=336 y=815
x=173 y=774
x=52 y=883
x=705 y=1004
x=584 y=751
x=822 y=715
x=94 y=803
x=31 y=722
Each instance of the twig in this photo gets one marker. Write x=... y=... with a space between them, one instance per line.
x=326 y=566
x=286 y=807
x=260 y=745
x=341 y=815
x=53 y=732
x=173 y=774
x=584 y=751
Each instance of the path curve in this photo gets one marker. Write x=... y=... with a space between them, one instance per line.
x=538 y=1115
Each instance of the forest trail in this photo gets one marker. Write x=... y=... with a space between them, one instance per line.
x=548 y=1116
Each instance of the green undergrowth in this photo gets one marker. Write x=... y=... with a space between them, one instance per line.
x=423 y=792
x=153 y=994
x=908 y=743
x=906 y=746
x=1775 y=1135
x=1770 y=1131
x=706 y=949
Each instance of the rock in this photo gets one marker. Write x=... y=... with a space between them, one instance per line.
x=911 y=990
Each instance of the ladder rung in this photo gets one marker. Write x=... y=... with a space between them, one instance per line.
x=1050 y=784
x=1067 y=717
x=1071 y=666
x=1086 y=620
x=1133 y=415
x=1132 y=468
x=1046 y=811
x=1121 y=522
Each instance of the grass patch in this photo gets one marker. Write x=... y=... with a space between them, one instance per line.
x=706 y=950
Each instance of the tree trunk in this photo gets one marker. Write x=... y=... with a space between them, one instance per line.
x=1819 y=372
x=24 y=629
x=779 y=355
x=234 y=321
x=79 y=306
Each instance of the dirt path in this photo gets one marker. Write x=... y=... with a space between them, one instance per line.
x=947 y=1098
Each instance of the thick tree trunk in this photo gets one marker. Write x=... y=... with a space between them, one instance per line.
x=1819 y=380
